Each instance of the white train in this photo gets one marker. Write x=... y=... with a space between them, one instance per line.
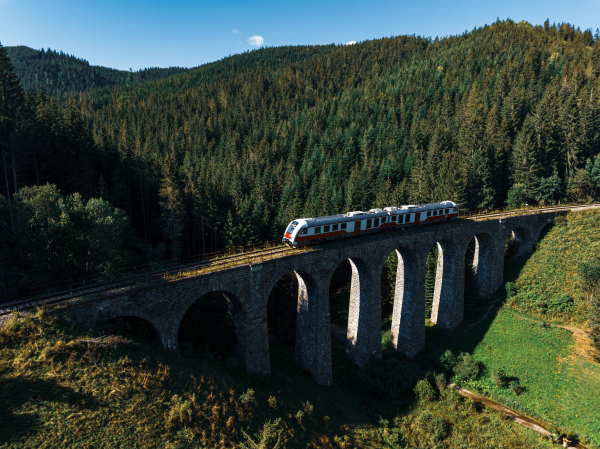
x=310 y=230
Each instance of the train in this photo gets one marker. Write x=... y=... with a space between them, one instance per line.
x=303 y=231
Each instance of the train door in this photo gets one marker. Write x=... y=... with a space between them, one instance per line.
x=357 y=225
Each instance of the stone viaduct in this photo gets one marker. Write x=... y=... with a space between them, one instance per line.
x=247 y=288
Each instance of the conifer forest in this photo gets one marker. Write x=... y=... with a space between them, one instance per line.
x=105 y=174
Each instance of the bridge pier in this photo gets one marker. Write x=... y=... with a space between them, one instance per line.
x=408 y=319
x=364 y=316
x=313 y=334
x=449 y=294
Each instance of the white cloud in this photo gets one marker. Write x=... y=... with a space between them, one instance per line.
x=350 y=43
x=256 y=40
x=235 y=31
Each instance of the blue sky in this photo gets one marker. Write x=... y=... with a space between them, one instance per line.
x=137 y=34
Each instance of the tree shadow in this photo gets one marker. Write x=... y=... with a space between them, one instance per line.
x=17 y=393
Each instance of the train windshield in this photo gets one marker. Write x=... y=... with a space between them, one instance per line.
x=291 y=227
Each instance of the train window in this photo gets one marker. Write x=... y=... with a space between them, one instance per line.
x=325 y=228
x=304 y=231
x=429 y=213
x=401 y=219
x=318 y=230
x=369 y=223
x=446 y=211
x=334 y=228
x=291 y=227
x=343 y=225
x=394 y=218
x=384 y=219
x=376 y=222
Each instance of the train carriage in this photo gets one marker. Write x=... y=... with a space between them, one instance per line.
x=351 y=224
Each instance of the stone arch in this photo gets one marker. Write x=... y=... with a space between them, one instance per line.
x=154 y=333
x=448 y=302
x=307 y=318
x=523 y=243
x=484 y=264
x=235 y=317
x=544 y=231
x=408 y=318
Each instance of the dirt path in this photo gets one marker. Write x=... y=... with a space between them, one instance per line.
x=511 y=414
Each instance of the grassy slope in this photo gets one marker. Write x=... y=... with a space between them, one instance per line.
x=561 y=385
x=55 y=391
x=551 y=271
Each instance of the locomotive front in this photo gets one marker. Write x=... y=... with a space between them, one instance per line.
x=292 y=231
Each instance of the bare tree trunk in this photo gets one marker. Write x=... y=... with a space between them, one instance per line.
x=12 y=223
x=14 y=169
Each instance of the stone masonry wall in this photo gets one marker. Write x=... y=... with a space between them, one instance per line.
x=247 y=290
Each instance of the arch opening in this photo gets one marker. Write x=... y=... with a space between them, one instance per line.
x=282 y=309
x=292 y=317
x=544 y=232
x=132 y=327
x=213 y=326
x=518 y=243
x=353 y=311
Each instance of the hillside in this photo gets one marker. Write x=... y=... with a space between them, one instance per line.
x=550 y=284
x=63 y=387
x=230 y=152
x=494 y=117
x=58 y=73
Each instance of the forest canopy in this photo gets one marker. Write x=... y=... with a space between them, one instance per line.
x=232 y=151
x=58 y=73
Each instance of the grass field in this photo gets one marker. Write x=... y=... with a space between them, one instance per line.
x=560 y=386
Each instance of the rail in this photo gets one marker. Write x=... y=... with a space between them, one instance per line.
x=238 y=256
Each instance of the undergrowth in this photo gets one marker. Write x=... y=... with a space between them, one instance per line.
x=61 y=386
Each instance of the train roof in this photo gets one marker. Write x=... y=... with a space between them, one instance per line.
x=361 y=215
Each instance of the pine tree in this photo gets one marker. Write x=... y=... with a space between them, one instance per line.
x=11 y=98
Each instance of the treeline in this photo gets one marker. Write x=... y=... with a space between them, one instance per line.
x=504 y=115
x=232 y=151
x=58 y=73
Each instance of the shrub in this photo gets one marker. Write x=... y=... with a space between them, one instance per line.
x=448 y=360
x=272 y=402
x=247 y=397
x=180 y=412
x=435 y=427
x=499 y=377
x=271 y=436
x=308 y=408
x=440 y=382
x=511 y=289
x=424 y=391
x=516 y=387
x=453 y=397
x=466 y=367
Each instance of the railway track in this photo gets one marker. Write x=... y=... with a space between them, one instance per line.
x=119 y=287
